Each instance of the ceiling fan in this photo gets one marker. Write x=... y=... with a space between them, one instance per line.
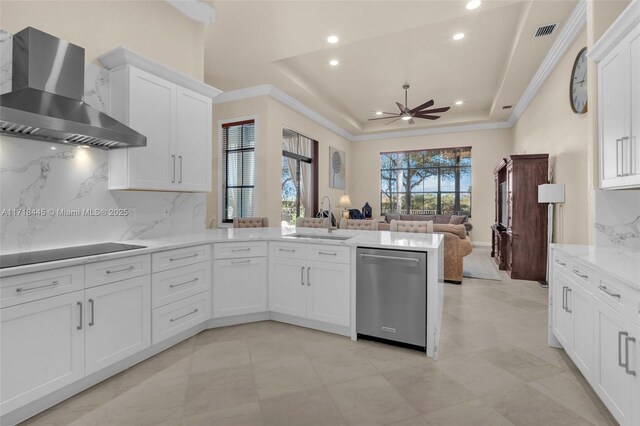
x=407 y=114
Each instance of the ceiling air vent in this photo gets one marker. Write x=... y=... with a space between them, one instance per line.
x=545 y=30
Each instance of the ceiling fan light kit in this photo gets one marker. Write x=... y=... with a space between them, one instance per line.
x=406 y=114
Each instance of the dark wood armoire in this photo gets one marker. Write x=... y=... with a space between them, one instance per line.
x=519 y=234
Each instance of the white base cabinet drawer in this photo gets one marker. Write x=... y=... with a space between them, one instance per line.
x=109 y=271
x=42 y=348
x=175 y=284
x=39 y=285
x=333 y=254
x=179 y=316
x=117 y=322
x=288 y=250
x=241 y=249
x=170 y=259
x=239 y=286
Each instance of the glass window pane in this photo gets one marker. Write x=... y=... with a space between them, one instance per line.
x=447 y=202
x=248 y=136
x=234 y=168
x=417 y=203
x=465 y=157
x=431 y=182
x=233 y=203
x=465 y=178
x=248 y=168
x=465 y=203
x=431 y=203
x=234 y=137
x=448 y=179
x=246 y=203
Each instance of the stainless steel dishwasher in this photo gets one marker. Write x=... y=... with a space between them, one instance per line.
x=391 y=296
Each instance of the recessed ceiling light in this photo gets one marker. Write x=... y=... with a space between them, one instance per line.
x=333 y=39
x=53 y=148
x=334 y=62
x=473 y=4
x=378 y=112
x=406 y=117
x=458 y=36
x=459 y=102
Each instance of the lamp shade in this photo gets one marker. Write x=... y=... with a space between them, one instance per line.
x=344 y=201
x=551 y=193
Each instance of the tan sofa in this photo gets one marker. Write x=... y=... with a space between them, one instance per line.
x=438 y=219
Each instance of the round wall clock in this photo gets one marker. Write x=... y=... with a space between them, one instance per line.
x=578 y=84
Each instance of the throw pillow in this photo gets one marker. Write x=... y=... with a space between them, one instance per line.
x=457 y=219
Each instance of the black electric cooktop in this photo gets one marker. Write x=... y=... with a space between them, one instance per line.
x=31 y=257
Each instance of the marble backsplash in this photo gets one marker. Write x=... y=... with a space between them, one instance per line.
x=618 y=218
x=42 y=185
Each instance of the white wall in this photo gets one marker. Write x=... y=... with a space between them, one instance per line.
x=488 y=148
x=272 y=117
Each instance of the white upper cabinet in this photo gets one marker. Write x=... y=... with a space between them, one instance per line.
x=174 y=112
x=618 y=56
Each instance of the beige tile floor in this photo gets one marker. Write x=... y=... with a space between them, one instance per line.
x=495 y=368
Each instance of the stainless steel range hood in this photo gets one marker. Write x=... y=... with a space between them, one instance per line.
x=46 y=98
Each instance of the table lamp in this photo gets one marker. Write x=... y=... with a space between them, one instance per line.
x=345 y=203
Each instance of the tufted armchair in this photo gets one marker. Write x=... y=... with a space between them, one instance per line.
x=359 y=224
x=311 y=222
x=411 y=226
x=250 y=222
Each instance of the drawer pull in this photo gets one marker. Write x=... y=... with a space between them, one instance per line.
x=626 y=355
x=93 y=309
x=184 y=283
x=576 y=272
x=302 y=275
x=308 y=280
x=609 y=292
x=287 y=250
x=235 y=262
x=173 y=259
x=324 y=253
x=569 y=290
x=242 y=249
x=79 y=326
x=620 y=363
x=22 y=290
x=559 y=262
x=183 y=316
x=130 y=268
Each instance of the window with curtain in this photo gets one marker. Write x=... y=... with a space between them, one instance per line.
x=238 y=169
x=433 y=181
x=299 y=176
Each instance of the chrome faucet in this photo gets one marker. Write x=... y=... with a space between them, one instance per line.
x=329 y=228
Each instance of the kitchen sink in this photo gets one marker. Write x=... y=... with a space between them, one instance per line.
x=321 y=236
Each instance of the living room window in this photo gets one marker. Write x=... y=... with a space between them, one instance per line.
x=432 y=181
x=299 y=176
x=238 y=169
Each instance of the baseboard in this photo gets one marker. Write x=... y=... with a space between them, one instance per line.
x=481 y=244
x=238 y=319
x=307 y=323
x=23 y=413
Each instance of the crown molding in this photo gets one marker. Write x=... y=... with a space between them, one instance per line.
x=195 y=10
x=576 y=21
x=628 y=19
x=570 y=30
x=121 y=56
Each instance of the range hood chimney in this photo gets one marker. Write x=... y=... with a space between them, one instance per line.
x=45 y=102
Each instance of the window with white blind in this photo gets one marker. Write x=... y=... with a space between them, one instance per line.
x=238 y=169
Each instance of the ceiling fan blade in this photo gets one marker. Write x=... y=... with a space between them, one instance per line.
x=403 y=108
x=434 y=111
x=423 y=106
x=384 y=118
x=428 y=117
x=392 y=121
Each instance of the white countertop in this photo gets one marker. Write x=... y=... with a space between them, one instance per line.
x=620 y=263
x=375 y=239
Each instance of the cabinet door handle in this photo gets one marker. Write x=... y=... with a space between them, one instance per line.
x=130 y=268
x=626 y=172
x=308 y=270
x=302 y=275
x=235 y=262
x=560 y=262
x=22 y=290
x=626 y=355
x=184 y=283
x=79 y=326
x=287 y=250
x=577 y=272
x=180 y=158
x=183 y=316
x=618 y=144
x=241 y=249
x=568 y=291
x=323 y=253
x=93 y=309
x=173 y=180
x=173 y=259
x=564 y=298
x=620 y=363
x=609 y=292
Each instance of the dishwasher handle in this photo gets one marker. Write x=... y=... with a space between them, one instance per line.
x=377 y=256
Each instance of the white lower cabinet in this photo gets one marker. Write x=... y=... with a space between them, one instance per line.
x=42 y=348
x=313 y=289
x=592 y=320
x=239 y=286
x=117 y=321
x=617 y=368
